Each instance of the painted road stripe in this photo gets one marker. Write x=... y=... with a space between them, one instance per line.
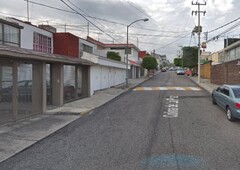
x=166 y=88
x=195 y=88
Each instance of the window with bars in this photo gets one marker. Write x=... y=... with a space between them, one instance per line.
x=42 y=43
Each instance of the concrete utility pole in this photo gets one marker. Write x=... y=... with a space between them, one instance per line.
x=27 y=11
x=199 y=30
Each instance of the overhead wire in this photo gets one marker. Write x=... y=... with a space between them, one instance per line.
x=88 y=20
x=174 y=41
x=63 y=10
x=224 y=32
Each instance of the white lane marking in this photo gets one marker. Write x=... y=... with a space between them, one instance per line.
x=195 y=88
x=163 y=88
x=171 y=107
x=147 y=88
x=180 y=88
x=166 y=88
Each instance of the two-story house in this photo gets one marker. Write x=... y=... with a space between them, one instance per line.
x=106 y=73
x=134 y=69
x=227 y=68
x=32 y=78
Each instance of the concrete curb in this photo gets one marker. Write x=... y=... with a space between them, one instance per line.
x=199 y=85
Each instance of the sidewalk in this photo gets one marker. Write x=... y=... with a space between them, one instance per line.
x=17 y=136
x=204 y=83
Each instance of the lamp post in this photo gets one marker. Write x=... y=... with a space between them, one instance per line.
x=144 y=19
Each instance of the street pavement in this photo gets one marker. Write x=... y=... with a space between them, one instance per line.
x=18 y=136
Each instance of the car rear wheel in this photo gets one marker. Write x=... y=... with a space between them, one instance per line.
x=229 y=115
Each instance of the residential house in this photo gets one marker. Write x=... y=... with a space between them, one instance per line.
x=34 y=37
x=106 y=73
x=159 y=59
x=133 y=60
x=32 y=78
x=205 y=56
x=215 y=58
x=228 y=69
x=141 y=55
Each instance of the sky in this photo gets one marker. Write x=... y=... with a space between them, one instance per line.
x=168 y=29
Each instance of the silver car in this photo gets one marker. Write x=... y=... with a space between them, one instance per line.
x=180 y=71
x=228 y=98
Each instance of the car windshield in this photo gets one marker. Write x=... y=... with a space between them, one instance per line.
x=236 y=92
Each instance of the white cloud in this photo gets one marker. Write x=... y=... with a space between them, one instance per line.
x=166 y=17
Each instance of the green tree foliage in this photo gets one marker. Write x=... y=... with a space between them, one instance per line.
x=177 y=62
x=190 y=56
x=113 y=56
x=149 y=63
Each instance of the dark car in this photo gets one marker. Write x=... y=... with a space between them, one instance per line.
x=24 y=89
x=228 y=98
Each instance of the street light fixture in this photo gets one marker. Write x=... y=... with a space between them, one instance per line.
x=144 y=19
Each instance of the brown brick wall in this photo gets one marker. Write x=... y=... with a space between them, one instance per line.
x=226 y=73
x=66 y=44
x=206 y=70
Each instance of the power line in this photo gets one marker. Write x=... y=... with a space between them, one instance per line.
x=88 y=20
x=93 y=17
x=63 y=10
x=224 y=25
x=224 y=32
x=174 y=41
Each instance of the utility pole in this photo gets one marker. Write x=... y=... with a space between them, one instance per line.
x=27 y=11
x=199 y=30
x=65 y=27
x=88 y=29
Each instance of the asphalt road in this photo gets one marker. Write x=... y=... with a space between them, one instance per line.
x=142 y=129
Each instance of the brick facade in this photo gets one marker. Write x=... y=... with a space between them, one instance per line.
x=226 y=73
x=66 y=44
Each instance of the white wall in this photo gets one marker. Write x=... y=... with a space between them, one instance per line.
x=103 y=53
x=102 y=77
x=105 y=73
x=27 y=34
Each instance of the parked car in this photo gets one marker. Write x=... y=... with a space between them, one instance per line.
x=24 y=88
x=163 y=69
x=180 y=71
x=188 y=72
x=228 y=98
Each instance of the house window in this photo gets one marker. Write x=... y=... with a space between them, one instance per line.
x=87 y=48
x=9 y=35
x=42 y=43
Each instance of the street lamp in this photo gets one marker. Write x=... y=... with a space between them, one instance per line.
x=144 y=19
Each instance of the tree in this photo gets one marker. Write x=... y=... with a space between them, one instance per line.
x=177 y=62
x=113 y=55
x=149 y=63
x=190 y=56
